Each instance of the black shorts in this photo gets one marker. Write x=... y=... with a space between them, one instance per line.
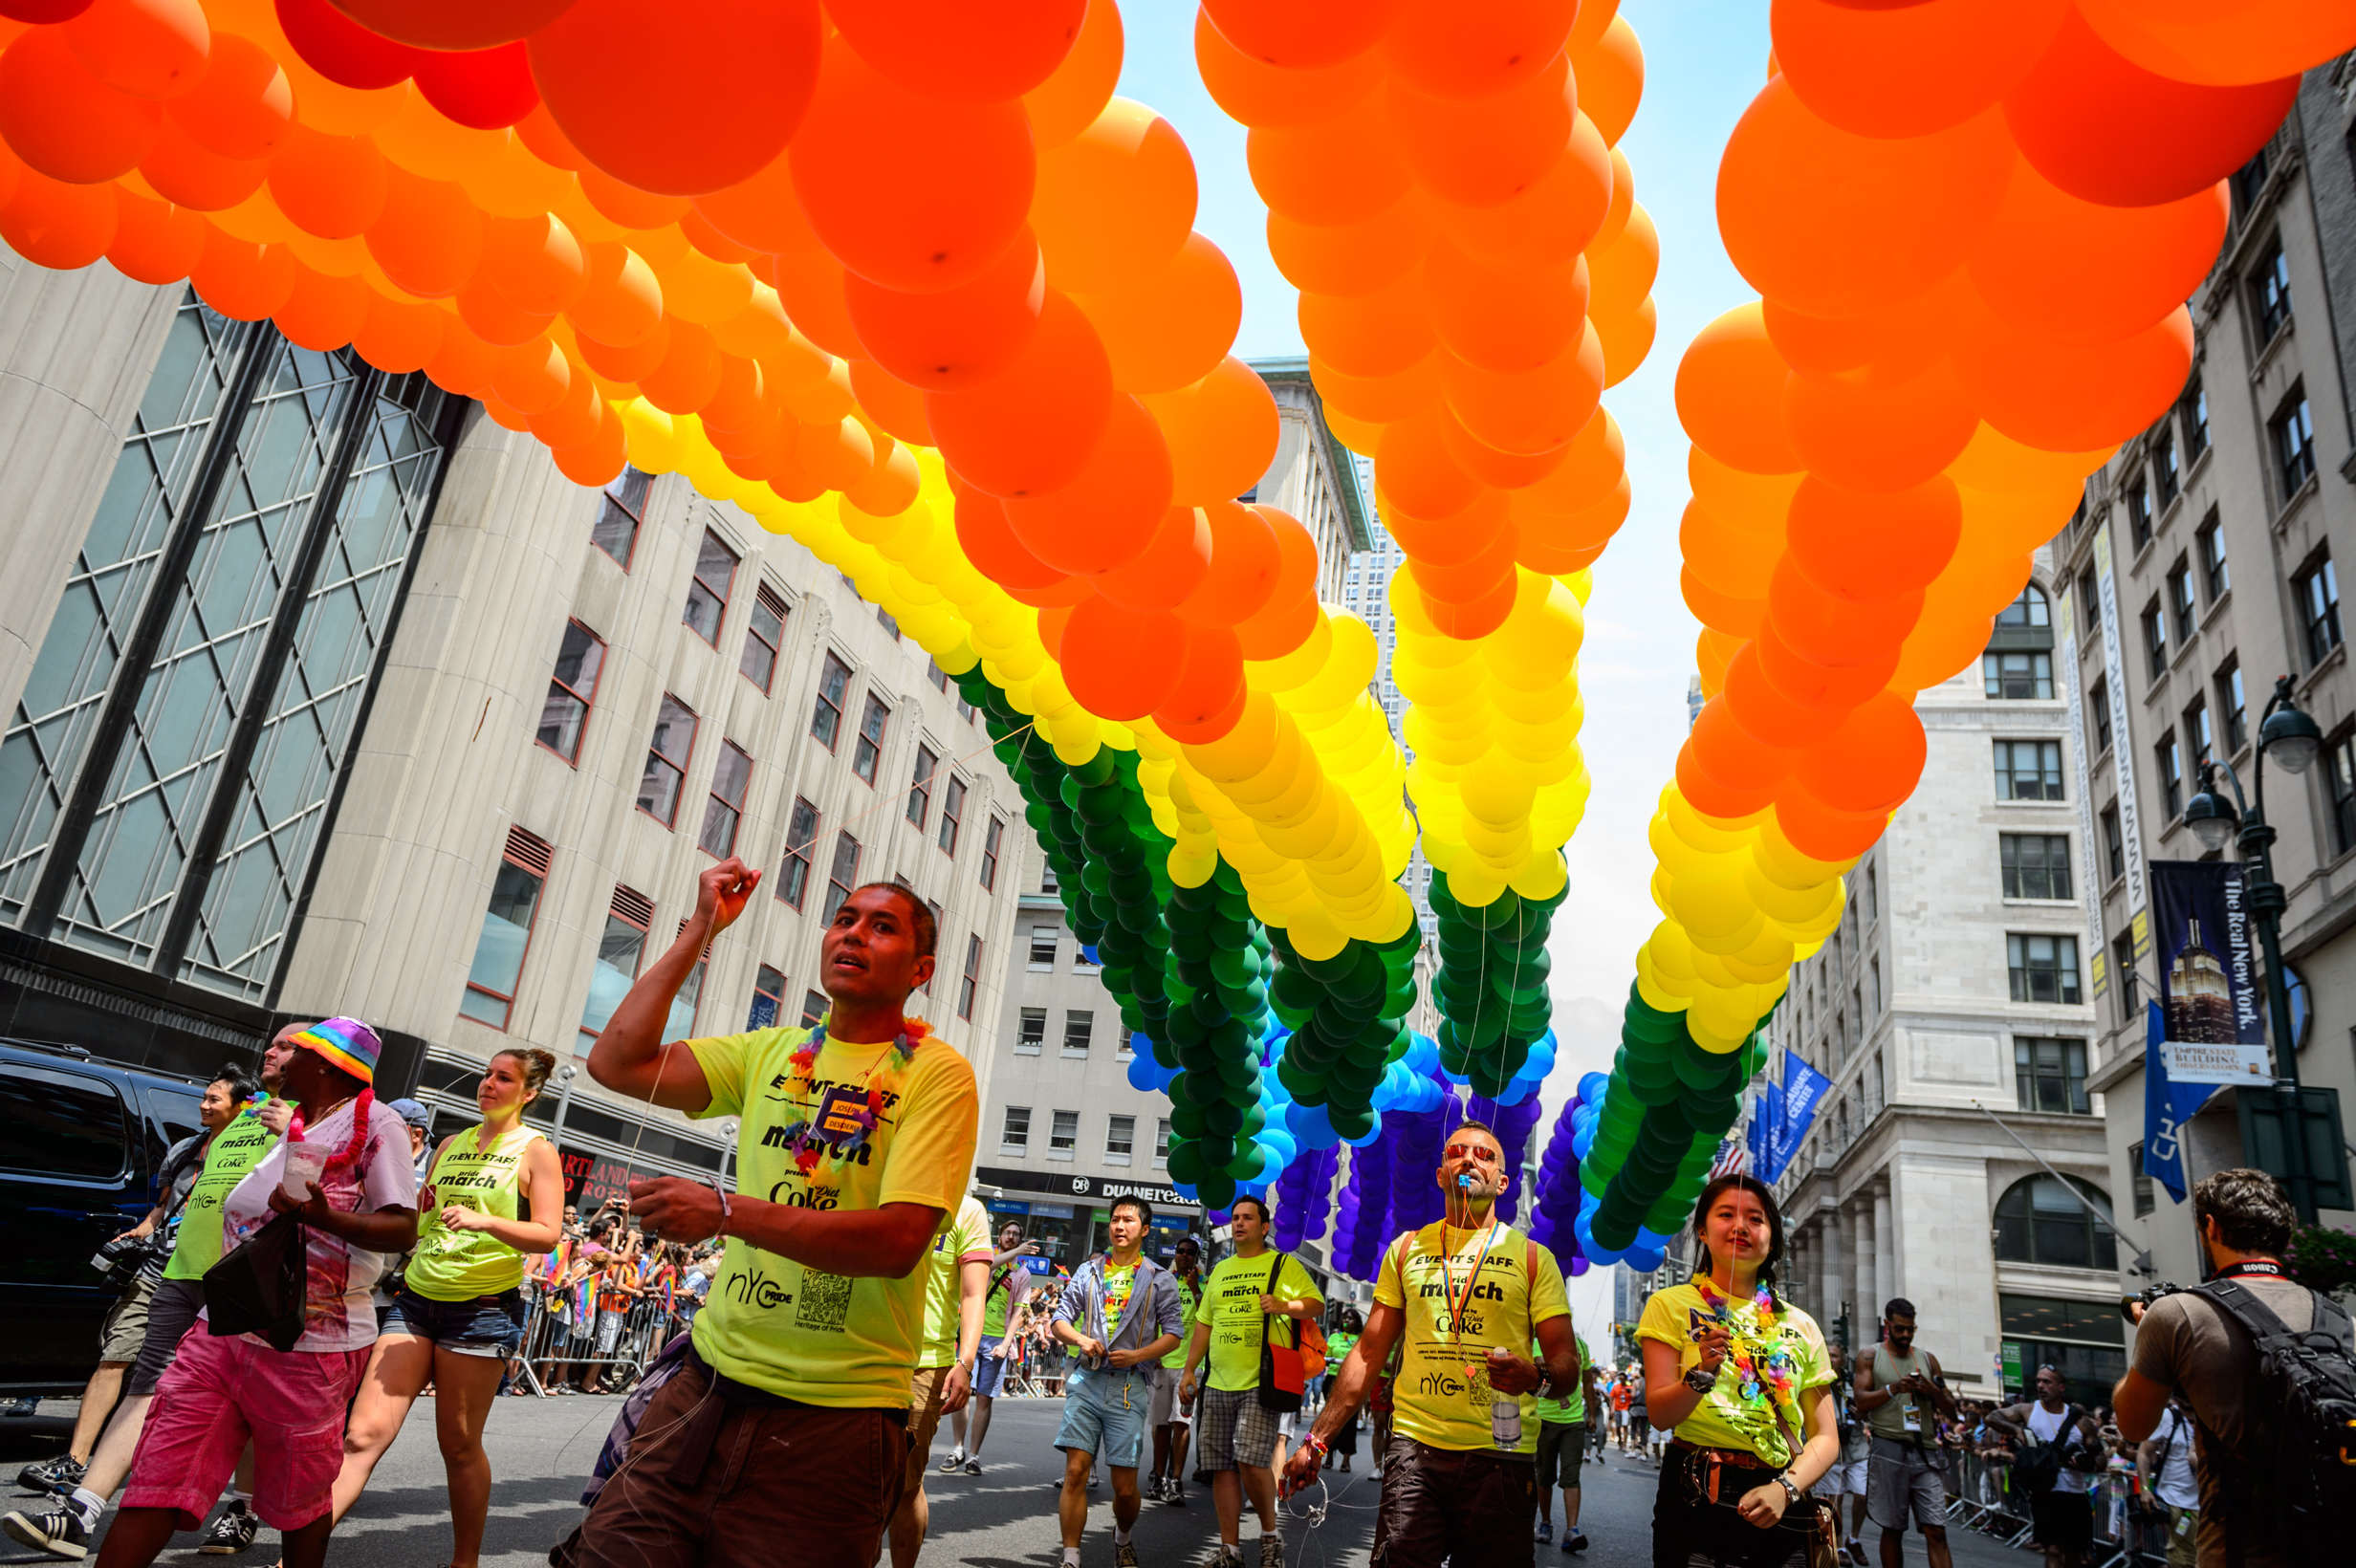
x=1469 y=1506
x=2064 y=1519
x=1561 y=1446
x=170 y=1314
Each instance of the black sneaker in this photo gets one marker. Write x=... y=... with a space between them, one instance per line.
x=1574 y=1541
x=60 y=1476
x=231 y=1533
x=1125 y=1556
x=1272 y=1552
x=1176 y=1496
x=955 y=1462
x=973 y=1467
x=60 y=1532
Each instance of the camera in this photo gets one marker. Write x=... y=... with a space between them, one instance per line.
x=120 y=1259
x=2132 y=1307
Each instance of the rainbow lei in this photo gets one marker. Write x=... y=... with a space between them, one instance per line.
x=809 y=1145
x=1763 y=1364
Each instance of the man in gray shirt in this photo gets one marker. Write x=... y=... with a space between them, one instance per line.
x=1122 y=1311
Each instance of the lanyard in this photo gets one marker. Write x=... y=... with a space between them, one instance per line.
x=1472 y=1277
x=2260 y=1268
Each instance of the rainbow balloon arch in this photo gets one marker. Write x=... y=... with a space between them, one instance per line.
x=906 y=280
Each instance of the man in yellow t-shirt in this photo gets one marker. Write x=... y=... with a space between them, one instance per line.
x=1462 y=1298
x=1242 y=1303
x=857 y=1142
x=957 y=1275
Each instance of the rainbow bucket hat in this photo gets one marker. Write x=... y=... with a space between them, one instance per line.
x=347 y=1043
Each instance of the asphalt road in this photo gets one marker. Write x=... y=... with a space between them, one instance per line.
x=1003 y=1518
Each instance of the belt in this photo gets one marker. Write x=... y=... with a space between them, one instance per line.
x=1705 y=1464
x=726 y=1393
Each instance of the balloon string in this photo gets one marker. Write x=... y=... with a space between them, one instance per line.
x=901 y=796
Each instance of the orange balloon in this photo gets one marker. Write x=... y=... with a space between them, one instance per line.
x=1825 y=629
x=1245 y=566
x=837 y=455
x=2149 y=259
x=1869 y=547
x=1878 y=438
x=184 y=172
x=1221 y=433
x=1812 y=683
x=1121 y=664
x=1356 y=258
x=330 y=185
x=1208 y=699
x=1379 y=334
x=891 y=489
x=622 y=302
x=1887 y=346
x=740 y=403
x=991 y=544
x=1729 y=395
x=63 y=121
x=689 y=374
x=1172 y=327
x=534 y=264
x=1824 y=833
x=1592 y=466
x=1552 y=219
x=761 y=212
x=810 y=285
x=1028 y=431
x=1068 y=101
x=2070 y=398
x=957 y=337
x=155 y=242
x=2109 y=131
x=625 y=364
x=1171 y=567
x=1305 y=34
x=1340 y=170
x=959 y=184
x=244 y=281
x=1871 y=762
x=1728 y=554
x=1256 y=92
x=322 y=313
x=1611 y=79
x=1530 y=413
x=626 y=205
x=1116 y=202
x=429 y=238
x=1740 y=769
x=1622 y=272
x=1452 y=541
x=1415 y=470
x=1500 y=469
x=612 y=76
x=1484 y=153
x=1377 y=399
x=496 y=320
x=462 y=362
x=1473 y=619
x=398 y=336
x=1736 y=614
x=2223 y=44
x=1468 y=581
x=1107 y=515
x=891 y=403
x=454 y=25
x=532 y=377
x=1902 y=215
x=963 y=50
x=243 y=105
x=1622 y=339
x=599 y=462
x=1505 y=321
x=702 y=290
x=1469 y=54
x=150 y=49
x=502 y=415
x=1898 y=71
x=1765 y=711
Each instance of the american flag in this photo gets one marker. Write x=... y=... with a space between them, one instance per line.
x=1731 y=1158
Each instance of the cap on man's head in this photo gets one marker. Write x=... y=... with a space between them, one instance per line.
x=414 y=1113
x=347 y=1043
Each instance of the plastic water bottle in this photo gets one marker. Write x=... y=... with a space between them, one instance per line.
x=1505 y=1423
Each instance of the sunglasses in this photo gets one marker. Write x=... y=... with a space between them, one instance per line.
x=1481 y=1152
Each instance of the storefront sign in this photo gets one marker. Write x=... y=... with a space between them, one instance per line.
x=1096 y=1190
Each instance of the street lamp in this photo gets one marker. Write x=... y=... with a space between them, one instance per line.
x=2288 y=733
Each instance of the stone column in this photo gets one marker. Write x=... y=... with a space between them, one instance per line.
x=1828 y=1263
x=1885 y=1248
x=1865 y=1306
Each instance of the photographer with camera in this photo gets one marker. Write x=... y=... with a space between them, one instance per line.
x=2060 y=1454
x=2268 y=1369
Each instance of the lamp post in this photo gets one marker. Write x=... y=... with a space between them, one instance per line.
x=2293 y=738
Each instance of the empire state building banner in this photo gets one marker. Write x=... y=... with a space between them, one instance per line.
x=2211 y=1007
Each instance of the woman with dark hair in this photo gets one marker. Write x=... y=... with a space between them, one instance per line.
x=1741 y=1376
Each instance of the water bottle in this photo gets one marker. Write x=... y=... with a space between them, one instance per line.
x=1505 y=1423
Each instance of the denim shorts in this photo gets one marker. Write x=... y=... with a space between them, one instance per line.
x=480 y=1326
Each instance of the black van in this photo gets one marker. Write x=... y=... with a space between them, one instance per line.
x=81 y=1142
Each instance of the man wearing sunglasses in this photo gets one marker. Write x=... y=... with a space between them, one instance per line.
x=1170 y=1425
x=1462 y=1298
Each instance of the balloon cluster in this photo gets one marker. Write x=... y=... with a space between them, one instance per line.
x=1646 y=1136
x=1345 y=1014
x=1491 y=990
x=1555 y=1210
x=1304 y=1193
x=1361 y=1214
x=1906 y=413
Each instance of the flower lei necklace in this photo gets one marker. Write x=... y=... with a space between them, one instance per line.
x=1762 y=1364
x=846 y=1117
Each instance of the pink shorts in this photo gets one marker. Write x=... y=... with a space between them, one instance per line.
x=219 y=1392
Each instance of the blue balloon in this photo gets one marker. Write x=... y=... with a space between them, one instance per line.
x=1650 y=1238
x=1643 y=1259
x=1309 y=1126
x=1143 y=1070
x=1087 y=951
x=1591 y=1088
x=1582 y=1139
x=1423 y=1053
x=1372 y=1133
x=1185 y=1189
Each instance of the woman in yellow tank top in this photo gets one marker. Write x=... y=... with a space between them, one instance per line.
x=459 y=1317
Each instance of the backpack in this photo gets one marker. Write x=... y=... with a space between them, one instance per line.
x=2292 y=1482
x=2040 y=1464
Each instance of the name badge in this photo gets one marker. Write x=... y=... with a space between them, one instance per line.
x=1913 y=1419
x=843 y=1115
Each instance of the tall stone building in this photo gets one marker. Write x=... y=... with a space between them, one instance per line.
x=326 y=694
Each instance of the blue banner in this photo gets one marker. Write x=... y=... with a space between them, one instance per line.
x=2167 y=1107
x=1788 y=1111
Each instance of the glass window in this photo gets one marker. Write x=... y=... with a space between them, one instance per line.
x=2028 y=770
x=2138 y=509
x=826 y=718
x=2044 y=969
x=2098 y=717
x=888 y=621
x=2197 y=735
x=620 y=511
x=953 y=816
x=2319 y=609
x=2017 y=676
x=969 y=984
x=768 y=999
x=2141 y=1181
x=764 y=638
x=2344 y=793
x=2122 y=966
x=571 y=691
x=666 y=761
x=2036 y=865
x=2155 y=639
x=715 y=573
x=2270 y=290
x=2294 y=445
x=1161 y=1141
x=2180 y=598
x=507 y=930
x=2230 y=704
x=1032 y=1034
x=990 y=839
x=2037 y=1221
x=920 y=787
x=934 y=673
x=2114 y=844
x=2029 y=609
x=814 y=1008
x=725 y=808
x=1043 y=944
x=2164 y=467
x=620 y=947
x=869 y=750
x=1014 y=1134
x=801 y=831
x=1120 y=1137
x=843 y=875
x=2194 y=411
x=62 y=1124
x=2051 y=1076
x=1063 y=1134
x=2213 y=573
x=1079 y=1025
x=2172 y=775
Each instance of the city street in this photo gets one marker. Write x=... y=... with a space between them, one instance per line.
x=1002 y=1518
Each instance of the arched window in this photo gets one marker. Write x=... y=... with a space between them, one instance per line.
x=2038 y=1222
x=2019 y=663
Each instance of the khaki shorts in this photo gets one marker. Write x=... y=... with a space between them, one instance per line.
x=1165 y=1409
x=927 y=1387
x=125 y=1328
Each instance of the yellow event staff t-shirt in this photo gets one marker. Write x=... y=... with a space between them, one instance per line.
x=1572 y=1408
x=1190 y=1297
x=458 y=1265
x=964 y=1239
x=826 y=1339
x=1230 y=1305
x=234 y=1150
x=1503 y=1286
x=1737 y=1413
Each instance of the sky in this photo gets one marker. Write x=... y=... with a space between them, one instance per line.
x=1703 y=61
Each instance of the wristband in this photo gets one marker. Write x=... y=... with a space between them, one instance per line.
x=726 y=1213
x=1315 y=1444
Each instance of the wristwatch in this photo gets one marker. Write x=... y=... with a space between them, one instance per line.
x=1702 y=1379
x=1790 y=1490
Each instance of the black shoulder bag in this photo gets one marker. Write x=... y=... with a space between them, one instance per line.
x=257 y=1286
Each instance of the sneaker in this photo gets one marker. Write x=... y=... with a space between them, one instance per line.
x=1574 y=1541
x=60 y=1532
x=1545 y=1532
x=21 y=1407
x=1228 y=1558
x=231 y=1533
x=1856 y=1550
x=1125 y=1556
x=973 y=1467
x=60 y=1476
x=955 y=1462
x=1176 y=1496
x=1092 y=1481
x=1272 y=1552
